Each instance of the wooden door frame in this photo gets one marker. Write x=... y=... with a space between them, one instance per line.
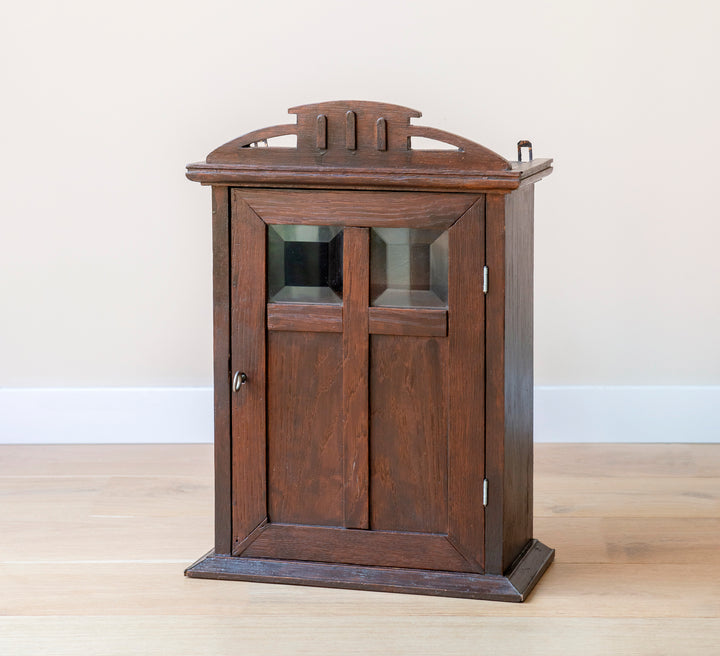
x=463 y=216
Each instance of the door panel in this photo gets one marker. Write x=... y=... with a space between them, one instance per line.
x=304 y=440
x=408 y=434
x=365 y=442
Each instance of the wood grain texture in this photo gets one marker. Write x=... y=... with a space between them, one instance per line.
x=381 y=134
x=409 y=581
x=251 y=138
x=643 y=583
x=393 y=426
x=518 y=392
x=120 y=502
x=465 y=376
x=104 y=460
x=350 y=130
x=568 y=590
x=509 y=376
x=634 y=540
x=629 y=461
x=366 y=115
x=408 y=321
x=356 y=281
x=660 y=496
x=384 y=209
x=321 y=138
x=305 y=317
x=304 y=447
x=379 y=127
x=408 y=434
x=240 y=545
x=495 y=381
x=379 y=175
x=442 y=136
x=248 y=356
x=398 y=632
x=221 y=368
x=358 y=547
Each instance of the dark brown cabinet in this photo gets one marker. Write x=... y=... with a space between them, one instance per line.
x=373 y=358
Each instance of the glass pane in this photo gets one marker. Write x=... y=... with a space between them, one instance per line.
x=408 y=267
x=304 y=264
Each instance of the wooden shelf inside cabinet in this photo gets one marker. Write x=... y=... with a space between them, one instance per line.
x=372 y=358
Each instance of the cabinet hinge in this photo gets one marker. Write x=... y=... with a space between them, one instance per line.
x=486 y=275
x=485 y=492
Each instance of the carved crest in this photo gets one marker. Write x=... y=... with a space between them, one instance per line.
x=357 y=134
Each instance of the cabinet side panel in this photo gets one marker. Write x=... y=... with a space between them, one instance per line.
x=408 y=434
x=221 y=355
x=518 y=453
x=305 y=482
x=247 y=294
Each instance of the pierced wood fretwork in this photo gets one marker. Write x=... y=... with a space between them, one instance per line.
x=357 y=133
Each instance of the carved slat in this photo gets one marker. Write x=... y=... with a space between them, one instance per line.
x=350 y=136
x=381 y=133
x=322 y=131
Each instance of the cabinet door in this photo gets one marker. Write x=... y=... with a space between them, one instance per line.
x=358 y=321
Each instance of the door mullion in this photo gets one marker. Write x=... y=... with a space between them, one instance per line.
x=356 y=284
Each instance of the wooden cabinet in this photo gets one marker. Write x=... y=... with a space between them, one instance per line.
x=373 y=358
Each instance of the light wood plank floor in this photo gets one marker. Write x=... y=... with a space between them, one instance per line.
x=93 y=541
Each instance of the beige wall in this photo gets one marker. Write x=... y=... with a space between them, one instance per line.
x=105 y=247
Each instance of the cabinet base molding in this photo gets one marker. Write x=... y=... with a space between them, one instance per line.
x=515 y=585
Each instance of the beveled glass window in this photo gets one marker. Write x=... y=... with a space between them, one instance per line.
x=408 y=267
x=304 y=264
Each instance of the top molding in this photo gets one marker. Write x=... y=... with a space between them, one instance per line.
x=360 y=145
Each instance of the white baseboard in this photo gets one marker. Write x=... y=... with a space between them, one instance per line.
x=644 y=413
x=106 y=415
x=184 y=414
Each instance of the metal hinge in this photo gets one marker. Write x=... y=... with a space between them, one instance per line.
x=485 y=492
x=486 y=275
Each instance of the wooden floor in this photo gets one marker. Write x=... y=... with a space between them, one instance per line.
x=93 y=541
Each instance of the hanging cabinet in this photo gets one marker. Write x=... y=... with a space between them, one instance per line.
x=373 y=358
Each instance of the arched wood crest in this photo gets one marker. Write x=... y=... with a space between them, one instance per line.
x=349 y=144
x=357 y=134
